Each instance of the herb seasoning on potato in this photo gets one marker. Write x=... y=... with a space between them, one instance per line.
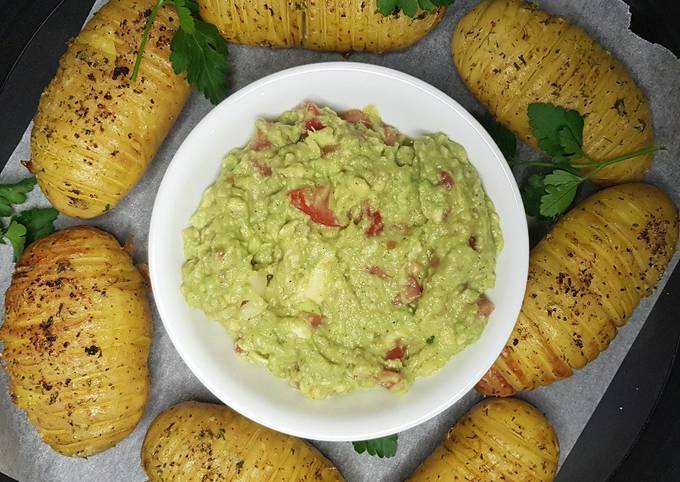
x=95 y=131
x=497 y=440
x=511 y=54
x=346 y=26
x=76 y=340
x=585 y=279
x=193 y=442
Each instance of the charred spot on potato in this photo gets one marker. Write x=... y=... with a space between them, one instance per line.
x=620 y=107
x=120 y=71
x=92 y=350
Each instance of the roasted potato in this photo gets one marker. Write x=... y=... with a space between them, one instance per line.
x=497 y=440
x=510 y=54
x=341 y=25
x=585 y=279
x=196 y=441
x=76 y=340
x=96 y=131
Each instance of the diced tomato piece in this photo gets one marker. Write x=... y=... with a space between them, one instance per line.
x=314 y=319
x=397 y=353
x=413 y=289
x=356 y=116
x=377 y=271
x=391 y=244
x=260 y=142
x=484 y=306
x=315 y=203
x=377 y=225
x=472 y=242
x=435 y=261
x=262 y=167
x=313 y=124
x=445 y=180
x=391 y=135
x=329 y=149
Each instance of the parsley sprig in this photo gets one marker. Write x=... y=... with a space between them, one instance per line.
x=410 y=7
x=559 y=132
x=196 y=49
x=28 y=225
x=14 y=194
x=380 y=447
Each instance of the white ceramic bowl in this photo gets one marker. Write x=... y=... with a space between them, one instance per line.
x=415 y=108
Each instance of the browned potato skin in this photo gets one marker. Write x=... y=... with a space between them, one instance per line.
x=510 y=54
x=338 y=25
x=585 y=279
x=497 y=440
x=76 y=340
x=96 y=131
x=194 y=442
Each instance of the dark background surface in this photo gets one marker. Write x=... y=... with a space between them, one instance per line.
x=634 y=434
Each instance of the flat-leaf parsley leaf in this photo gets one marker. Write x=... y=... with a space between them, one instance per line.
x=28 y=226
x=560 y=191
x=196 y=49
x=559 y=132
x=39 y=222
x=380 y=447
x=16 y=235
x=409 y=7
x=14 y=194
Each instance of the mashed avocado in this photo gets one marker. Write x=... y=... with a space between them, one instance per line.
x=343 y=255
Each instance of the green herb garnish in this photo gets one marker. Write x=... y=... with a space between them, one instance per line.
x=380 y=447
x=16 y=235
x=28 y=225
x=410 y=7
x=14 y=194
x=39 y=222
x=196 y=49
x=559 y=132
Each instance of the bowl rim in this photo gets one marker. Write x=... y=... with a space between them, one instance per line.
x=359 y=67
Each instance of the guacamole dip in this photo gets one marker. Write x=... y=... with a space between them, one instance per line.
x=342 y=254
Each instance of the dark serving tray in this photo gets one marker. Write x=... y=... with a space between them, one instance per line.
x=634 y=434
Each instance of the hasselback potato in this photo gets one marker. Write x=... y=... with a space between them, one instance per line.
x=337 y=25
x=96 y=131
x=194 y=442
x=76 y=340
x=510 y=54
x=585 y=279
x=497 y=440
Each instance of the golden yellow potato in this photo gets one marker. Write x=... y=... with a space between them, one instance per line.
x=76 y=334
x=337 y=25
x=194 y=442
x=585 y=279
x=510 y=54
x=96 y=131
x=497 y=440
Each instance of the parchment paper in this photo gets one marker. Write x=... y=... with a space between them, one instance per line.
x=568 y=404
